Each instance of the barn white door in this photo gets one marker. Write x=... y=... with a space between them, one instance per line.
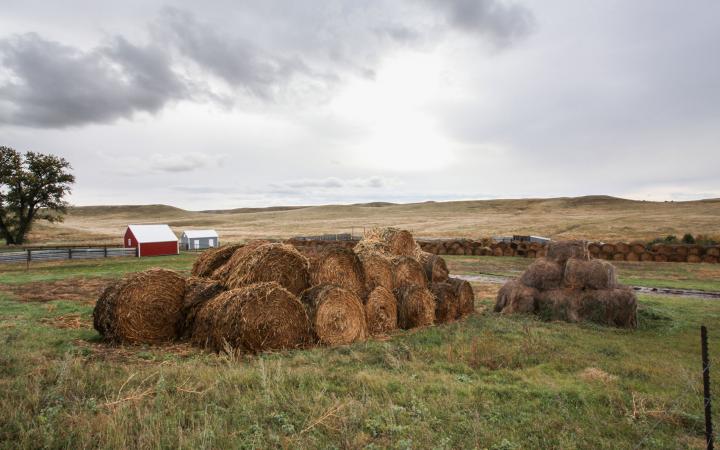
x=211 y=242
x=196 y=243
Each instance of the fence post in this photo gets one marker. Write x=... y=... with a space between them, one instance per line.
x=105 y=251
x=709 y=438
x=70 y=253
x=29 y=256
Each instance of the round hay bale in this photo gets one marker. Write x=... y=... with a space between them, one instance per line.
x=662 y=249
x=339 y=266
x=144 y=307
x=556 y=304
x=561 y=251
x=710 y=259
x=614 y=307
x=594 y=248
x=660 y=258
x=416 y=306
x=618 y=257
x=606 y=256
x=211 y=260
x=435 y=267
x=198 y=291
x=389 y=240
x=542 y=274
x=632 y=256
x=676 y=258
x=465 y=296
x=337 y=315
x=508 y=252
x=695 y=250
x=377 y=270
x=497 y=251
x=608 y=248
x=514 y=297
x=712 y=251
x=681 y=250
x=622 y=247
x=223 y=272
x=255 y=318
x=381 y=311
x=446 y=302
x=694 y=259
x=646 y=256
x=531 y=254
x=637 y=247
x=592 y=274
x=281 y=263
x=407 y=271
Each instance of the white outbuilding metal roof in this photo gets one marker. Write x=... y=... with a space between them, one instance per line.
x=196 y=234
x=152 y=233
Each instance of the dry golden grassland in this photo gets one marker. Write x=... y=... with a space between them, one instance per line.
x=598 y=217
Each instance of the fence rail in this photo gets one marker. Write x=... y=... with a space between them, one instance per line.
x=57 y=254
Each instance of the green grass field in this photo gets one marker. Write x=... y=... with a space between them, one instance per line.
x=489 y=381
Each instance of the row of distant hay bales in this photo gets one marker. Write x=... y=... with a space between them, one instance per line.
x=264 y=296
x=620 y=251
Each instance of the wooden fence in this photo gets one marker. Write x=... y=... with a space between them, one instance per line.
x=64 y=253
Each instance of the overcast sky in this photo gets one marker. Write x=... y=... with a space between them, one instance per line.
x=222 y=104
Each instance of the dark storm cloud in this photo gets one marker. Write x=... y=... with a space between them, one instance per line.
x=55 y=85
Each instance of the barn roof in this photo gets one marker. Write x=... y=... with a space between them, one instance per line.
x=195 y=234
x=152 y=233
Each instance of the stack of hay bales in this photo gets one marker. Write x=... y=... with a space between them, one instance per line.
x=569 y=285
x=266 y=296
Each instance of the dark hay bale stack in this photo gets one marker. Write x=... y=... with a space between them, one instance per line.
x=434 y=266
x=407 y=271
x=377 y=270
x=614 y=307
x=198 y=291
x=211 y=260
x=255 y=318
x=542 y=274
x=676 y=258
x=508 y=252
x=695 y=250
x=592 y=274
x=618 y=257
x=416 y=306
x=694 y=259
x=446 y=302
x=561 y=251
x=381 y=311
x=144 y=307
x=661 y=249
x=281 y=263
x=514 y=297
x=531 y=254
x=223 y=272
x=337 y=315
x=681 y=250
x=594 y=248
x=712 y=251
x=497 y=251
x=389 y=240
x=632 y=256
x=606 y=256
x=660 y=258
x=646 y=256
x=465 y=296
x=339 y=266
x=710 y=259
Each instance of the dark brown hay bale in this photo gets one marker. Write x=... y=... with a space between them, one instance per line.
x=606 y=256
x=416 y=306
x=407 y=271
x=632 y=256
x=465 y=296
x=592 y=274
x=281 y=263
x=211 y=260
x=377 y=270
x=608 y=248
x=515 y=297
x=337 y=315
x=694 y=259
x=561 y=251
x=542 y=274
x=392 y=241
x=531 y=254
x=594 y=248
x=508 y=252
x=618 y=257
x=497 y=251
x=710 y=259
x=637 y=247
x=622 y=247
x=676 y=258
x=435 y=267
x=198 y=291
x=646 y=256
x=660 y=258
x=555 y=304
x=223 y=272
x=144 y=307
x=695 y=250
x=661 y=249
x=680 y=250
x=339 y=266
x=446 y=302
x=381 y=311
x=255 y=318
x=712 y=251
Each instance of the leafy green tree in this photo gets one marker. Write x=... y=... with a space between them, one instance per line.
x=32 y=186
x=688 y=239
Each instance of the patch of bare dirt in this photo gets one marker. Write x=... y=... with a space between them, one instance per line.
x=81 y=290
x=68 y=321
x=595 y=374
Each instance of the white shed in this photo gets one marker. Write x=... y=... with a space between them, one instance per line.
x=199 y=239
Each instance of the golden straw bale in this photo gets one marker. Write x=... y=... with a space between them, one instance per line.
x=632 y=256
x=381 y=311
x=561 y=251
x=435 y=267
x=223 y=272
x=392 y=241
x=339 y=266
x=446 y=302
x=377 y=270
x=465 y=296
x=514 y=297
x=416 y=306
x=543 y=273
x=407 y=270
x=622 y=247
x=592 y=274
x=212 y=259
x=143 y=307
x=198 y=291
x=337 y=315
x=281 y=263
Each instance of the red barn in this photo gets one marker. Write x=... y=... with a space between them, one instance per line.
x=151 y=240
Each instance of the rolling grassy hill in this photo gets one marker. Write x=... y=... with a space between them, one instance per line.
x=592 y=217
